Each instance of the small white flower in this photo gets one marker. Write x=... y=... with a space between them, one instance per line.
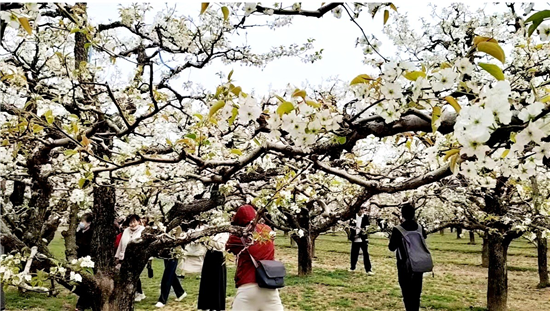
x=531 y=111
x=444 y=79
x=297 y=6
x=249 y=110
x=75 y=277
x=529 y=134
x=544 y=31
x=300 y=233
x=337 y=12
x=269 y=12
x=86 y=262
x=249 y=8
x=464 y=66
x=392 y=91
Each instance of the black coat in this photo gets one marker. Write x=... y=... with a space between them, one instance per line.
x=212 y=289
x=352 y=228
x=84 y=242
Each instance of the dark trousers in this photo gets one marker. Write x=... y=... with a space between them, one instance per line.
x=139 y=290
x=169 y=279
x=411 y=288
x=355 y=246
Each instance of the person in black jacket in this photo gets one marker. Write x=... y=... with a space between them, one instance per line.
x=84 y=242
x=84 y=236
x=410 y=282
x=359 y=240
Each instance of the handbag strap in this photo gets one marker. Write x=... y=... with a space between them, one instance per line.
x=246 y=249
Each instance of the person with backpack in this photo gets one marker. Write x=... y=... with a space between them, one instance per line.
x=413 y=257
x=250 y=296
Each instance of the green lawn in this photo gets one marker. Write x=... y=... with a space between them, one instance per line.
x=459 y=282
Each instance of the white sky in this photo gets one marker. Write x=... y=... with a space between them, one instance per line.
x=336 y=36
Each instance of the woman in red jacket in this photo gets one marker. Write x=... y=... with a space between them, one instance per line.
x=249 y=295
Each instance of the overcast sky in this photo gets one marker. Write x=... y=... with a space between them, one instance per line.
x=336 y=36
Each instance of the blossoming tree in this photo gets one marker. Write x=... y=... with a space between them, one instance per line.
x=466 y=96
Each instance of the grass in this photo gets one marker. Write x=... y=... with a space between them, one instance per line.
x=459 y=283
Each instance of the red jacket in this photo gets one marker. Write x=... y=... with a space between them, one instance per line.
x=117 y=241
x=246 y=272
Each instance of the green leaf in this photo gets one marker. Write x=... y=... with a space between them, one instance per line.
x=408 y=144
x=393 y=7
x=225 y=12
x=494 y=70
x=386 y=16
x=284 y=108
x=204 y=6
x=313 y=104
x=69 y=152
x=236 y=90
x=234 y=114
x=452 y=165
x=299 y=93
x=413 y=75
x=25 y=23
x=236 y=151
x=341 y=139
x=436 y=114
x=534 y=27
x=452 y=101
x=81 y=182
x=538 y=16
x=37 y=128
x=492 y=49
x=505 y=153
x=479 y=39
x=199 y=116
x=364 y=78
x=217 y=106
x=49 y=117
x=230 y=74
x=193 y=136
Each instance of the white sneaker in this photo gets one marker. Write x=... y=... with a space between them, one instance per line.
x=140 y=297
x=371 y=273
x=180 y=298
x=352 y=270
x=159 y=305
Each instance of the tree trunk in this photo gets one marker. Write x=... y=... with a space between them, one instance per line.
x=472 y=238
x=497 y=282
x=305 y=255
x=458 y=232
x=485 y=253
x=70 y=234
x=104 y=235
x=442 y=231
x=542 y=249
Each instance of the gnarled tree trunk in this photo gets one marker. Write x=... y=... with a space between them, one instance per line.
x=497 y=283
x=542 y=250
x=305 y=255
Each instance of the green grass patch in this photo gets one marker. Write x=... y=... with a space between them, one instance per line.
x=459 y=283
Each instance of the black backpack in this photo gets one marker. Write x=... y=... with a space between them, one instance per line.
x=419 y=259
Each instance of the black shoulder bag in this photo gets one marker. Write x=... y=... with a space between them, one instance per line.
x=269 y=273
